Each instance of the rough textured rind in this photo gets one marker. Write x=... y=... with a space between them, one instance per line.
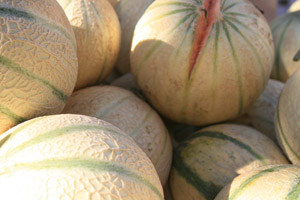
x=210 y=158
x=98 y=33
x=268 y=183
x=286 y=31
x=129 y=12
x=261 y=114
x=129 y=113
x=38 y=62
x=287 y=118
x=74 y=157
x=236 y=61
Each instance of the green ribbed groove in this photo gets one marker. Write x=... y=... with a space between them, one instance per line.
x=253 y=178
x=13 y=12
x=278 y=48
x=230 y=6
x=216 y=65
x=281 y=132
x=86 y=20
x=10 y=114
x=222 y=136
x=164 y=147
x=252 y=47
x=156 y=44
x=88 y=164
x=147 y=116
x=238 y=69
x=53 y=134
x=207 y=189
x=5 y=62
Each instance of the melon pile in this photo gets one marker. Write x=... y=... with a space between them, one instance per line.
x=146 y=100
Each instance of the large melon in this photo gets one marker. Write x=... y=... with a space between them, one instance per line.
x=129 y=12
x=38 y=62
x=294 y=7
x=129 y=113
x=287 y=118
x=212 y=157
x=98 y=33
x=286 y=34
x=202 y=62
x=74 y=157
x=261 y=114
x=266 y=183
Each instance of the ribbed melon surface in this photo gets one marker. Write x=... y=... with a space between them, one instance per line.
x=189 y=57
x=132 y=115
x=38 y=62
x=74 y=157
x=98 y=33
x=267 y=183
x=212 y=157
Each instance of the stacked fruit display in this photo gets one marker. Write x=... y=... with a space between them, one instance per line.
x=194 y=116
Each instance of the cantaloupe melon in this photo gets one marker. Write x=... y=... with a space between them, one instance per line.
x=38 y=62
x=129 y=113
x=261 y=114
x=286 y=34
x=287 y=118
x=97 y=31
x=74 y=157
x=212 y=157
x=202 y=62
x=266 y=183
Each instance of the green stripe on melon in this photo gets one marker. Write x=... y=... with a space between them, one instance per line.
x=210 y=158
x=85 y=148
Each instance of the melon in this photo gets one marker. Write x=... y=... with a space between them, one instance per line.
x=189 y=56
x=212 y=157
x=74 y=157
x=267 y=7
x=98 y=34
x=287 y=119
x=129 y=113
x=38 y=60
x=261 y=114
x=269 y=182
x=129 y=12
x=294 y=7
x=286 y=34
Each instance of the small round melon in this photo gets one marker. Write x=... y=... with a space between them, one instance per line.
x=129 y=12
x=287 y=118
x=98 y=34
x=266 y=183
x=38 y=61
x=202 y=62
x=261 y=114
x=212 y=157
x=129 y=113
x=286 y=34
x=74 y=157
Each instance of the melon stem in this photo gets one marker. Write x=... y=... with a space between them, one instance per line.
x=210 y=15
x=297 y=56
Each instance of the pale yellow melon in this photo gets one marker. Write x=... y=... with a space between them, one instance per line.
x=210 y=158
x=286 y=34
x=261 y=114
x=129 y=113
x=266 y=183
x=97 y=30
x=287 y=118
x=74 y=157
x=129 y=12
x=202 y=62
x=38 y=62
